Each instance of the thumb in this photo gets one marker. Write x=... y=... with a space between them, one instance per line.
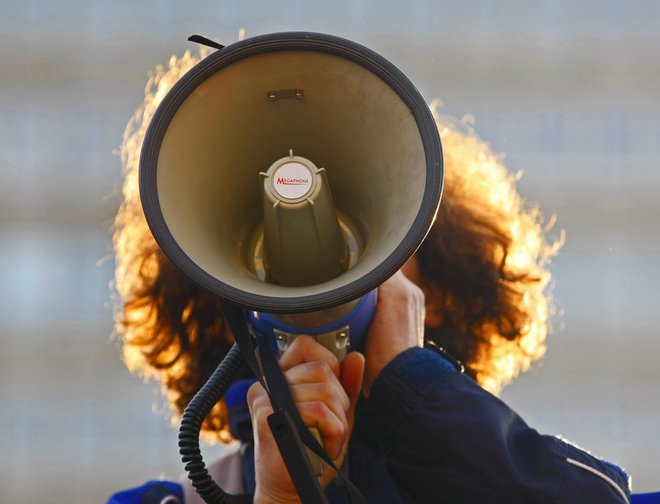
x=352 y=373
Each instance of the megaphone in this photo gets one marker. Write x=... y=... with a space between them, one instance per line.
x=351 y=134
x=290 y=174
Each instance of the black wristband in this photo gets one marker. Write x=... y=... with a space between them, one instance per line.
x=430 y=345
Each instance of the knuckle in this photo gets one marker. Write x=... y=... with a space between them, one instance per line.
x=402 y=289
x=417 y=294
x=301 y=341
x=416 y=290
x=325 y=391
x=321 y=370
x=320 y=410
x=328 y=372
x=341 y=430
x=254 y=392
x=344 y=431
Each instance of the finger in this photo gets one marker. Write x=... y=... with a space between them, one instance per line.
x=398 y=324
x=352 y=373
x=305 y=349
x=255 y=392
x=311 y=372
x=318 y=374
x=400 y=300
x=260 y=410
x=309 y=382
x=399 y=289
x=257 y=399
x=335 y=399
x=333 y=428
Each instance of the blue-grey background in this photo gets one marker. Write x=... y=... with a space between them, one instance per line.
x=569 y=90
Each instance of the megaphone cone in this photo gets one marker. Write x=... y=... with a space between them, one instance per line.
x=332 y=102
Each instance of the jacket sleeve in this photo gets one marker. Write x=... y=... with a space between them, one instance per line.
x=448 y=440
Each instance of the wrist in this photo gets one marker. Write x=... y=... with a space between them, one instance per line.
x=375 y=364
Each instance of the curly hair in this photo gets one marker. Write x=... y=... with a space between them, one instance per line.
x=486 y=255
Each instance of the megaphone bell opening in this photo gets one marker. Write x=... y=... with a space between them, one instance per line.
x=359 y=118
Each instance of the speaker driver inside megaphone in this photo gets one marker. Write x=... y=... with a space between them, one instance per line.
x=339 y=113
x=301 y=241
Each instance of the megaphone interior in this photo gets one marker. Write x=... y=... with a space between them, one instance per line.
x=321 y=99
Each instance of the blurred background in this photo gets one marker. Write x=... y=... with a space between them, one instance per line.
x=568 y=90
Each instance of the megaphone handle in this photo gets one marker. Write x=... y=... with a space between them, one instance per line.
x=335 y=342
x=316 y=461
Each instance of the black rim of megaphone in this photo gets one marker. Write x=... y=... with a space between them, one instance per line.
x=292 y=41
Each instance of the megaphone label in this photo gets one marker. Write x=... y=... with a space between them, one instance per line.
x=292 y=180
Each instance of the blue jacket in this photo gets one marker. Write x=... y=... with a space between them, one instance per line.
x=429 y=434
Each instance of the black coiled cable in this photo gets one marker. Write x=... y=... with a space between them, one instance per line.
x=191 y=424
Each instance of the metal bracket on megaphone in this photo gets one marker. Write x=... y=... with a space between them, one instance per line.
x=339 y=333
x=335 y=341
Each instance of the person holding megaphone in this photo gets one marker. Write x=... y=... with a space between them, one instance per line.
x=459 y=300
